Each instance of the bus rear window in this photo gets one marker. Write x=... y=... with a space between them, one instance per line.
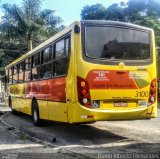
x=116 y=43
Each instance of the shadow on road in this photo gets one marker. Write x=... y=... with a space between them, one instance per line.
x=73 y=134
x=82 y=137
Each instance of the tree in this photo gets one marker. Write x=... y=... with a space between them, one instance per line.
x=115 y=12
x=24 y=26
x=139 y=9
x=141 y=12
x=28 y=21
x=145 y=13
x=96 y=11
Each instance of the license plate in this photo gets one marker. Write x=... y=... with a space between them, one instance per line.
x=143 y=103
x=120 y=104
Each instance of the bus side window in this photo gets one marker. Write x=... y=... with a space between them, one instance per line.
x=36 y=61
x=10 y=75
x=46 y=55
x=21 y=72
x=15 y=74
x=28 y=69
x=59 y=49
x=46 y=70
x=62 y=51
x=35 y=66
x=46 y=67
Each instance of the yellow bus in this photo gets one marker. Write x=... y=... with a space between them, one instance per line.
x=90 y=71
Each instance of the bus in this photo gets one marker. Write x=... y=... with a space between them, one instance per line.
x=93 y=70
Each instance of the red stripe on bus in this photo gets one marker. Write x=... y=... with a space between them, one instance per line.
x=51 y=89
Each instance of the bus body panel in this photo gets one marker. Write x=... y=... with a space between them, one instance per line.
x=56 y=90
x=112 y=84
x=87 y=115
x=28 y=106
x=50 y=93
x=57 y=111
x=82 y=114
x=17 y=93
x=47 y=93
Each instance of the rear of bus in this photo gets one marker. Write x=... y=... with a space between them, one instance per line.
x=116 y=72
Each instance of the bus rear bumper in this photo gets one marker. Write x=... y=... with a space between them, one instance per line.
x=82 y=114
x=137 y=113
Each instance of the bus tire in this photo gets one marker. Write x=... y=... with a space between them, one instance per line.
x=10 y=105
x=35 y=114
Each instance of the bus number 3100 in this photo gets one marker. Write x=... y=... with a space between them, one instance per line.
x=141 y=94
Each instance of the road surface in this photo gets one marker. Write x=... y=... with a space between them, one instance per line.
x=137 y=138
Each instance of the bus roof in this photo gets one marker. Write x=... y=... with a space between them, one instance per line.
x=116 y=23
x=69 y=28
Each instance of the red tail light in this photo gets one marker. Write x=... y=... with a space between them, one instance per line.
x=152 y=92
x=83 y=92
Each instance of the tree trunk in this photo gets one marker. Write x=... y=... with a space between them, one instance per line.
x=29 y=42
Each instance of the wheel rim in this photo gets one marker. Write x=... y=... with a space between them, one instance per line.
x=35 y=115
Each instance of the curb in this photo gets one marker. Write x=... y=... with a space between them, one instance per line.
x=18 y=133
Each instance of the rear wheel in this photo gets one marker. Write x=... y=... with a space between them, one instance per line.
x=35 y=114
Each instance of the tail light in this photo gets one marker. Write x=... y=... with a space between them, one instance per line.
x=152 y=92
x=83 y=92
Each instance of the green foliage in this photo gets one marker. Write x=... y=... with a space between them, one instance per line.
x=141 y=12
x=23 y=25
x=115 y=12
x=50 y=22
x=96 y=11
x=29 y=21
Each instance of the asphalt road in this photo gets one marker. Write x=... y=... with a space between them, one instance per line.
x=96 y=140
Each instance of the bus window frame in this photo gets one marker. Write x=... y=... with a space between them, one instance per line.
x=116 y=61
x=62 y=57
x=38 y=53
x=15 y=74
x=28 y=69
x=10 y=68
x=43 y=64
x=50 y=52
x=65 y=36
x=23 y=70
